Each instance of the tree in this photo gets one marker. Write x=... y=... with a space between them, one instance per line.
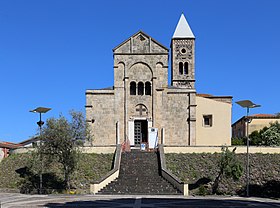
x=271 y=137
x=59 y=142
x=267 y=136
x=229 y=166
x=255 y=138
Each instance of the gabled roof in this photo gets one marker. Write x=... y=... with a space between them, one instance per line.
x=257 y=116
x=29 y=141
x=183 y=29
x=165 y=49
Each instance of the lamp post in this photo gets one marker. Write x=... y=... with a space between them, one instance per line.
x=247 y=104
x=40 y=123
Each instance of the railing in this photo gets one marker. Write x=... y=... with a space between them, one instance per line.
x=170 y=177
x=110 y=176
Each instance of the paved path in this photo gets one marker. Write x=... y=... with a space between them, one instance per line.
x=9 y=200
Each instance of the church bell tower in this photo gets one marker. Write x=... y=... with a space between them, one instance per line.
x=183 y=56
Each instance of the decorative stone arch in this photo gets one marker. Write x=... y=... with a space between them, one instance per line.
x=141 y=110
x=120 y=66
x=119 y=72
x=121 y=63
x=140 y=63
x=159 y=65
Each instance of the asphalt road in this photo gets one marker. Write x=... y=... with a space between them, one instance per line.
x=11 y=200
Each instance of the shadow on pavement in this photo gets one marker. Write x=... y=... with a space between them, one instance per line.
x=271 y=189
x=166 y=202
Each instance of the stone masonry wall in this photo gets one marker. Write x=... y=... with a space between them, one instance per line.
x=146 y=63
x=102 y=111
x=176 y=118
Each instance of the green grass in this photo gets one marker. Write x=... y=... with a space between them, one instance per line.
x=90 y=168
x=8 y=177
x=264 y=172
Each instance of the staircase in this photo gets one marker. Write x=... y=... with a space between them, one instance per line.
x=139 y=174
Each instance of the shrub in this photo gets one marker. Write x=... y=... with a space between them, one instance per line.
x=238 y=141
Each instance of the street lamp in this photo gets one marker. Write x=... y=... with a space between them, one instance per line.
x=247 y=104
x=40 y=123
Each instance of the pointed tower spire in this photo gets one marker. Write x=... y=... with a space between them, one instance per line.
x=183 y=56
x=183 y=29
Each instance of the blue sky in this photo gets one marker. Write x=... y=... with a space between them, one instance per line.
x=51 y=51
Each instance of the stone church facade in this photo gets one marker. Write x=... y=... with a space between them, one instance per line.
x=141 y=97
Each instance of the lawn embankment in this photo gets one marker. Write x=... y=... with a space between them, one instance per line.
x=90 y=168
x=200 y=170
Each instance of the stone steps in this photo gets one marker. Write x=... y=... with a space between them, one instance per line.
x=139 y=174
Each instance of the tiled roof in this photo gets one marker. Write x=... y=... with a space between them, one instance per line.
x=204 y=95
x=264 y=116
x=258 y=116
x=212 y=96
x=29 y=141
x=9 y=145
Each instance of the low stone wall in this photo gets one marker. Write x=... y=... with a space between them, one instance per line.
x=171 y=178
x=1 y=154
x=22 y=150
x=172 y=149
x=213 y=149
x=97 y=150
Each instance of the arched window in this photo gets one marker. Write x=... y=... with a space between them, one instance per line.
x=148 y=88
x=180 y=68
x=132 y=88
x=140 y=88
x=186 y=68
